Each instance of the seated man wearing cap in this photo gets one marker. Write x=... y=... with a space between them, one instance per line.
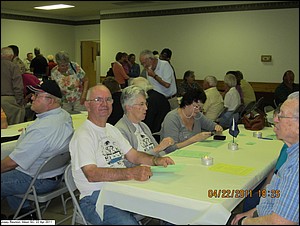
x=48 y=135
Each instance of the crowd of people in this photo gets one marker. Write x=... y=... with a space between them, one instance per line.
x=135 y=118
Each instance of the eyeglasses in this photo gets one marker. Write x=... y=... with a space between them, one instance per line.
x=197 y=107
x=279 y=116
x=39 y=95
x=102 y=100
x=142 y=104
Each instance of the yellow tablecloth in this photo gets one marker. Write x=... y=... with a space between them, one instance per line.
x=191 y=193
x=13 y=130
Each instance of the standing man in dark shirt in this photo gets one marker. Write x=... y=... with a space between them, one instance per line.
x=116 y=92
x=39 y=65
x=286 y=87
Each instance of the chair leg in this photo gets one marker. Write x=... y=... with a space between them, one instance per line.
x=64 y=203
x=37 y=206
x=20 y=206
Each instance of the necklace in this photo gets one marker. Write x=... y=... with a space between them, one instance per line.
x=186 y=115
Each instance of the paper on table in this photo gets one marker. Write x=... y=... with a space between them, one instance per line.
x=231 y=169
x=168 y=169
x=189 y=153
x=272 y=136
x=210 y=143
x=250 y=143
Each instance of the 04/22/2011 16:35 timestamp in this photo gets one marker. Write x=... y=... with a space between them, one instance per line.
x=241 y=193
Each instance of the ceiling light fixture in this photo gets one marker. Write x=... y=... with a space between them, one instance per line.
x=51 y=7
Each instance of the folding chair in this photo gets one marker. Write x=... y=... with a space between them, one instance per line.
x=268 y=108
x=78 y=216
x=54 y=162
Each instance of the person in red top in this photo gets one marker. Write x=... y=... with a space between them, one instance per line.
x=119 y=72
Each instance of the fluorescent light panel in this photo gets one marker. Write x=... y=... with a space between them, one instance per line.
x=51 y=7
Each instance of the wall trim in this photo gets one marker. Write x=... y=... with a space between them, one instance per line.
x=167 y=12
x=48 y=20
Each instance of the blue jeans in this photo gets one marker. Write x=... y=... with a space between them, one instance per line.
x=112 y=215
x=14 y=182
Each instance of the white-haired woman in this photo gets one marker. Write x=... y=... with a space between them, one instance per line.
x=133 y=100
x=232 y=101
x=158 y=106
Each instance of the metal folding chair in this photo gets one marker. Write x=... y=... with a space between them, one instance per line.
x=78 y=216
x=54 y=162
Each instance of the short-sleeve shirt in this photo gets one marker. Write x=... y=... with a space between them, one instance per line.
x=286 y=184
x=48 y=135
x=94 y=145
x=166 y=72
x=232 y=99
x=70 y=83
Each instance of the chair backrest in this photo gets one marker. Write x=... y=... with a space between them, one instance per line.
x=248 y=107
x=55 y=162
x=58 y=161
x=69 y=180
x=268 y=108
x=223 y=111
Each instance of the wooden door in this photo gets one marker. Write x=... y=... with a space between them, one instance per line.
x=89 y=51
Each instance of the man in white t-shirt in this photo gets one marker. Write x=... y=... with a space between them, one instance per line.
x=97 y=151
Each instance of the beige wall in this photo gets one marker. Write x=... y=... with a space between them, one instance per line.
x=209 y=43
x=212 y=43
x=51 y=38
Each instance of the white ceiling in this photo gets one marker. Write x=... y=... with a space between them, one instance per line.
x=85 y=10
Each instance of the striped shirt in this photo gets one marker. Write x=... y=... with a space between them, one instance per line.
x=285 y=182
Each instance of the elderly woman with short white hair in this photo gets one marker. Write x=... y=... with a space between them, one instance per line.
x=133 y=100
x=232 y=101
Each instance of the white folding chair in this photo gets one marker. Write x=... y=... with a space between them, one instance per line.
x=268 y=108
x=54 y=162
x=78 y=216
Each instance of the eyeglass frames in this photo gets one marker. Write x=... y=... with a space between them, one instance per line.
x=102 y=100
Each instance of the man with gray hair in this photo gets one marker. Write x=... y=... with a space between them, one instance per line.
x=161 y=75
x=214 y=103
x=281 y=204
x=12 y=99
x=98 y=151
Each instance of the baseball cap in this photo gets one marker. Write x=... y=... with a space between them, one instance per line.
x=48 y=86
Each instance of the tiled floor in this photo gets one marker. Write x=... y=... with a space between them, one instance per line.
x=55 y=212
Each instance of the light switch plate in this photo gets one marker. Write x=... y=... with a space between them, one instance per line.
x=266 y=58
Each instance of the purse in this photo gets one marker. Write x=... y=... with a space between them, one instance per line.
x=255 y=120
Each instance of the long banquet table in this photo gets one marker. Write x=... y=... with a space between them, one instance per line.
x=14 y=131
x=191 y=193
